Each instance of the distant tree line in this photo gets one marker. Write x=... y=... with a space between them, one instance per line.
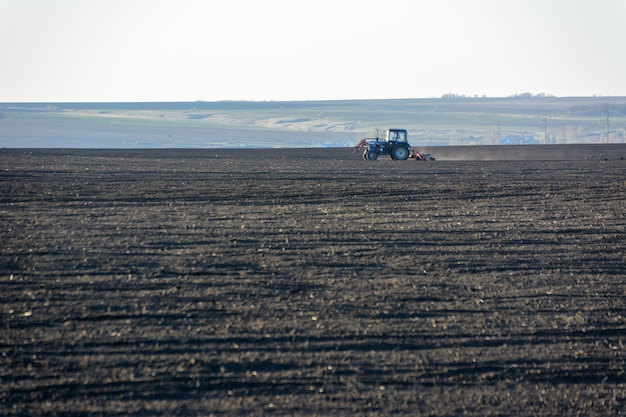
x=520 y=95
x=531 y=95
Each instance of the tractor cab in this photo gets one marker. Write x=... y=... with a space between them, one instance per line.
x=395 y=136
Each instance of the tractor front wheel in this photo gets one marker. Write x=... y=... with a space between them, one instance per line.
x=400 y=152
x=370 y=156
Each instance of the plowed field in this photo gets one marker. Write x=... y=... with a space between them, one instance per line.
x=310 y=283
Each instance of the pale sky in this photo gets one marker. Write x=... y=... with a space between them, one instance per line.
x=187 y=50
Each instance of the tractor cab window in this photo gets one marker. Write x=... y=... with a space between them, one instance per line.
x=402 y=136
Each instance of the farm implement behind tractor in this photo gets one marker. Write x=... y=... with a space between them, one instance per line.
x=394 y=144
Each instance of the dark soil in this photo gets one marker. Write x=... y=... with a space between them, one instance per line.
x=310 y=283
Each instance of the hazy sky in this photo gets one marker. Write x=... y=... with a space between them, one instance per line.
x=186 y=50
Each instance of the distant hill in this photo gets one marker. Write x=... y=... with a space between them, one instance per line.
x=442 y=121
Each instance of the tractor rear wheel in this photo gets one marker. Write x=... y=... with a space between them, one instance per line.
x=400 y=152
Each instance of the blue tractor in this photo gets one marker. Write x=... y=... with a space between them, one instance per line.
x=393 y=144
